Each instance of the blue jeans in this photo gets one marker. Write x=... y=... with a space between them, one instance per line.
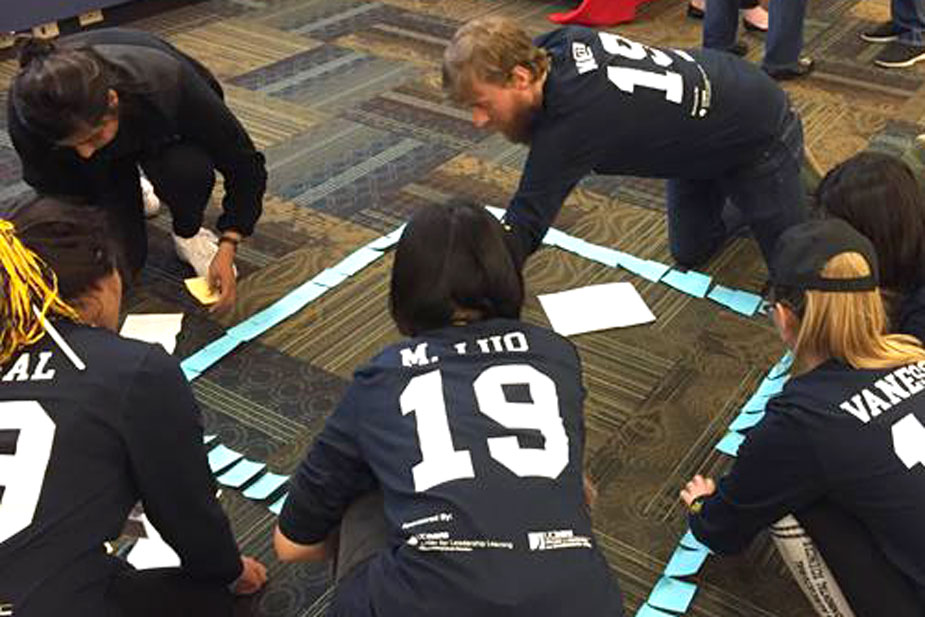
x=784 y=40
x=909 y=18
x=768 y=192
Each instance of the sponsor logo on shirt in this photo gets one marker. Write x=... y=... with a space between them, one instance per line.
x=552 y=540
x=584 y=58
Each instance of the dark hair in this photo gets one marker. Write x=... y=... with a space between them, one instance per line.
x=452 y=257
x=73 y=240
x=59 y=92
x=880 y=197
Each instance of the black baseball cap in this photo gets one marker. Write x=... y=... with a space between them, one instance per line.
x=803 y=250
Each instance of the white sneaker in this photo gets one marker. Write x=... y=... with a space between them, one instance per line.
x=152 y=204
x=197 y=251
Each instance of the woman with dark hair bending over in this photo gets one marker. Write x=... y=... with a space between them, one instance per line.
x=472 y=433
x=87 y=112
x=848 y=428
x=878 y=195
x=90 y=424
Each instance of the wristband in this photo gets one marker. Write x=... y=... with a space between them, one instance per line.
x=697 y=505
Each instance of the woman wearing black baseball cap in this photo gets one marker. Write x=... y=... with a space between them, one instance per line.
x=849 y=426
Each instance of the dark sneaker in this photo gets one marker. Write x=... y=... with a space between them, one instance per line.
x=803 y=67
x=896 y=55
x=740 y=48
x=886 y=32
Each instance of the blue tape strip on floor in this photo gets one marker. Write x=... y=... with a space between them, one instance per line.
x=671 y=596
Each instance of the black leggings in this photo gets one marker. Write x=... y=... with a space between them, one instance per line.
x=166 y=591
x=183 y=177
x=871 y=584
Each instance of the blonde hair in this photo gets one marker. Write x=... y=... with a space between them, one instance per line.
x=487 y=49
x=30 y=293
x=850 y=326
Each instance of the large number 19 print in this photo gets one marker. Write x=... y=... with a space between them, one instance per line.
x=26 y=438
x=440 y=462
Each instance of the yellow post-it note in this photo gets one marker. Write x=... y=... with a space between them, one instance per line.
x=199 y=287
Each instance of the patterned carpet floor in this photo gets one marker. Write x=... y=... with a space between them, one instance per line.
x=344 y=97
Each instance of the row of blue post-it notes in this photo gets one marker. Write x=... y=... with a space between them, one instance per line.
x=685 y=561
x=241 y=473
x=691 y=282
x=209 y=355
x=265 y=486
x=646 y=268
x=670 y=594
x=730 y=443
x=742 y=302
x=222 y=456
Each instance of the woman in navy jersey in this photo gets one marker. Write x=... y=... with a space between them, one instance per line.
x=848 y=428
x=91 y=424
x=472 y=431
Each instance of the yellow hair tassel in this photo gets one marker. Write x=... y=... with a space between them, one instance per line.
x=27 y=282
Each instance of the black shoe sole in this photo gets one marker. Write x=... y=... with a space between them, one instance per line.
x=867 y=38
x=694 y=13
x=752 y=27
x=792 y=73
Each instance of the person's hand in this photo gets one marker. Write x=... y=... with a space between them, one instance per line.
x=697 y=487
x=253 y=577
x=222 y=277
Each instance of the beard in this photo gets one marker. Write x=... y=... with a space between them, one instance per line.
x=520 y=129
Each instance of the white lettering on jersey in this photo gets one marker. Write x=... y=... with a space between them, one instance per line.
x=41 y=373
x=418 y=357
x=584 y=58
x=20 y=369
x=896 y=386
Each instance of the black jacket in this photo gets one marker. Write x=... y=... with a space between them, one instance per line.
x=165 y=97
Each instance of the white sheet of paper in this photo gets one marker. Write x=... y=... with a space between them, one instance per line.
x=155 y=328
x=152 y=552
x=596 y=307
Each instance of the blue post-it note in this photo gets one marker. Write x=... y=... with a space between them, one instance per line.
x=688 y=540
x=756 y=403
x=210 y=354
x=601 y=254
x=745 y=421
x=782 y=367
x=770 y=387
x=730 y=443
x=206 y=439
x=388 y=240
x=189 y=373
x=277 y=505
x=329 y=278
x=265 y=486
x=243 y=471
x=745 y=302
x=690 y=282
x=356 y=261
x=571 y=243
x=305 y=293
x=553 y=236
x=721 y=294
x=685 y=562
x=646 y=268
x=672 y=595
x=222 y=456
x=647 y=611
x=247 y=330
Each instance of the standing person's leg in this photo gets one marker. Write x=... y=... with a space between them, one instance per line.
x=909 y=26
x=695 y=222
x=720 y=24
x=183 y=177
x=769 y=192
x=785 y=40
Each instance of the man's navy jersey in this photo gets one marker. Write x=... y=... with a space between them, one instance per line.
x=78 y=448
x=853 y=437
x=615 y=106
x=475 y=435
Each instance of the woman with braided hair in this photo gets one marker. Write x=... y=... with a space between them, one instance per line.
x=90 y=424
